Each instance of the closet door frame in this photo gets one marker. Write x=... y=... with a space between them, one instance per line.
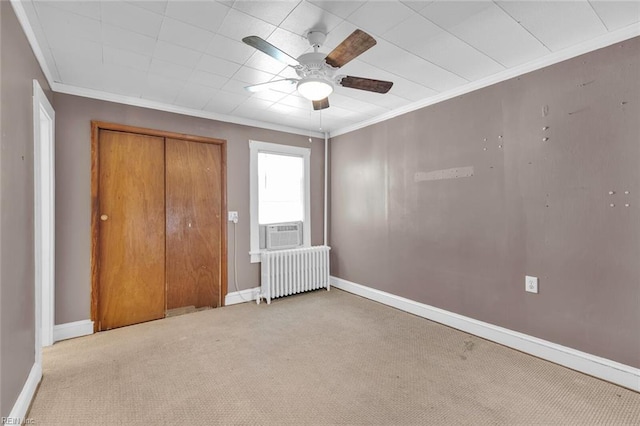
x=96 y=126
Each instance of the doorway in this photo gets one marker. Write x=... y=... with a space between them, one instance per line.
x=158 y=224
x=44 y=216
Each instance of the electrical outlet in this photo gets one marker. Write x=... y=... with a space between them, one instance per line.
x=233 y=217
x=531 y=284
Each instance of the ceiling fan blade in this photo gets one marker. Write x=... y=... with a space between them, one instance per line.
x=271 y=85
x=354 y=45
x=321 y=104
x=271 y=50
x=378 y=86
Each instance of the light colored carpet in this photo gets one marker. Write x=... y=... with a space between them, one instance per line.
x=317 y=358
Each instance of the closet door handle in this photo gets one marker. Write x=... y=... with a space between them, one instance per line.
x=104 y=217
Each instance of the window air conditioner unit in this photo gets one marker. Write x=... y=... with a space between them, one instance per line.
x=284 y=235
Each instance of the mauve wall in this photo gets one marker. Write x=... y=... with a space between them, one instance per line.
x=18 y=68
x=532 y=207
x=73 y=188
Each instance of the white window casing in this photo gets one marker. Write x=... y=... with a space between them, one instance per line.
x=256 y=147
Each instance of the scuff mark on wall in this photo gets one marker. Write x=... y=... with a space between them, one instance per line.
x=454 y=173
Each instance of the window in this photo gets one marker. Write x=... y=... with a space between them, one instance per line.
x=279 y=189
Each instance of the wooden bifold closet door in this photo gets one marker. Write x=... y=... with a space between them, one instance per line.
x=159 y=238
x=193 y=224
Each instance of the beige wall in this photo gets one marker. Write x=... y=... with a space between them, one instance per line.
x=532 y=207
x=73 y=117
x=18 y=68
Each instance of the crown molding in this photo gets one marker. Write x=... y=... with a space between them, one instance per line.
x=547 y=60
x=139 y=102
x=551 y=59
x=144 y=103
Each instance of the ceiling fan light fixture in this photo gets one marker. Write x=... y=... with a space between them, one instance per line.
x=315 y=89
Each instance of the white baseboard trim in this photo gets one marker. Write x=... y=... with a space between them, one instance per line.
x=602 y=368
x=70 y=330
x=242 y=296
x=20 y=408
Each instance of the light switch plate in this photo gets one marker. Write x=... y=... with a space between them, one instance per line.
x=531 y=284
x=233 y=217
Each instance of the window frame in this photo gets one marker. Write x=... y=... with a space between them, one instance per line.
x=256 y=147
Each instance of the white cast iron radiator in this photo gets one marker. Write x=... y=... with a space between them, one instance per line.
x=286 y=272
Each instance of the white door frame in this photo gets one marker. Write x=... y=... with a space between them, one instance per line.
x=44 y=217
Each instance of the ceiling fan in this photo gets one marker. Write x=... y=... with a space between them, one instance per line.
x=317 y=71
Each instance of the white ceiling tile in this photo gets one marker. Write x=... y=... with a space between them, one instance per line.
x=449 y=14
x=252 y=76
x=336 y=110
x=487 y=28
x=176 y=54
x=397 y=61
x=300 y=115
x=269 y=95
x=51 y=63
x=307 y=16
x=557 y=24
x=89 y=9
x=123 y=80
x=255 y=103
x=417 y=5
x=292 y=44
x=411 y=90
x=345 y=97
x=77 y=71
x=194 y=96
x=387 y=101
x=451 y=53
x=218 y=66
x=249 y=112
x=377 y=17
x=285 y=86
x=207 y=79
x=58 y=23
x=412 y=32
x=224 y=102
x=77 y=48
x=273 y=12
x=204 y=14
x=152 y=5
x=265 y=63
x=237 y=87
x=127 y=40
x=295 y=101
x=161 y=89
x=32 y=15
x=185 y=35
x=425 y=39
x=287 y=109
x=169 y=70
x=231 y=50
x=125 y=58
x=259 y=114
x=131 y=17
x=617 y=14
x=238 y=25
x=339 y=8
